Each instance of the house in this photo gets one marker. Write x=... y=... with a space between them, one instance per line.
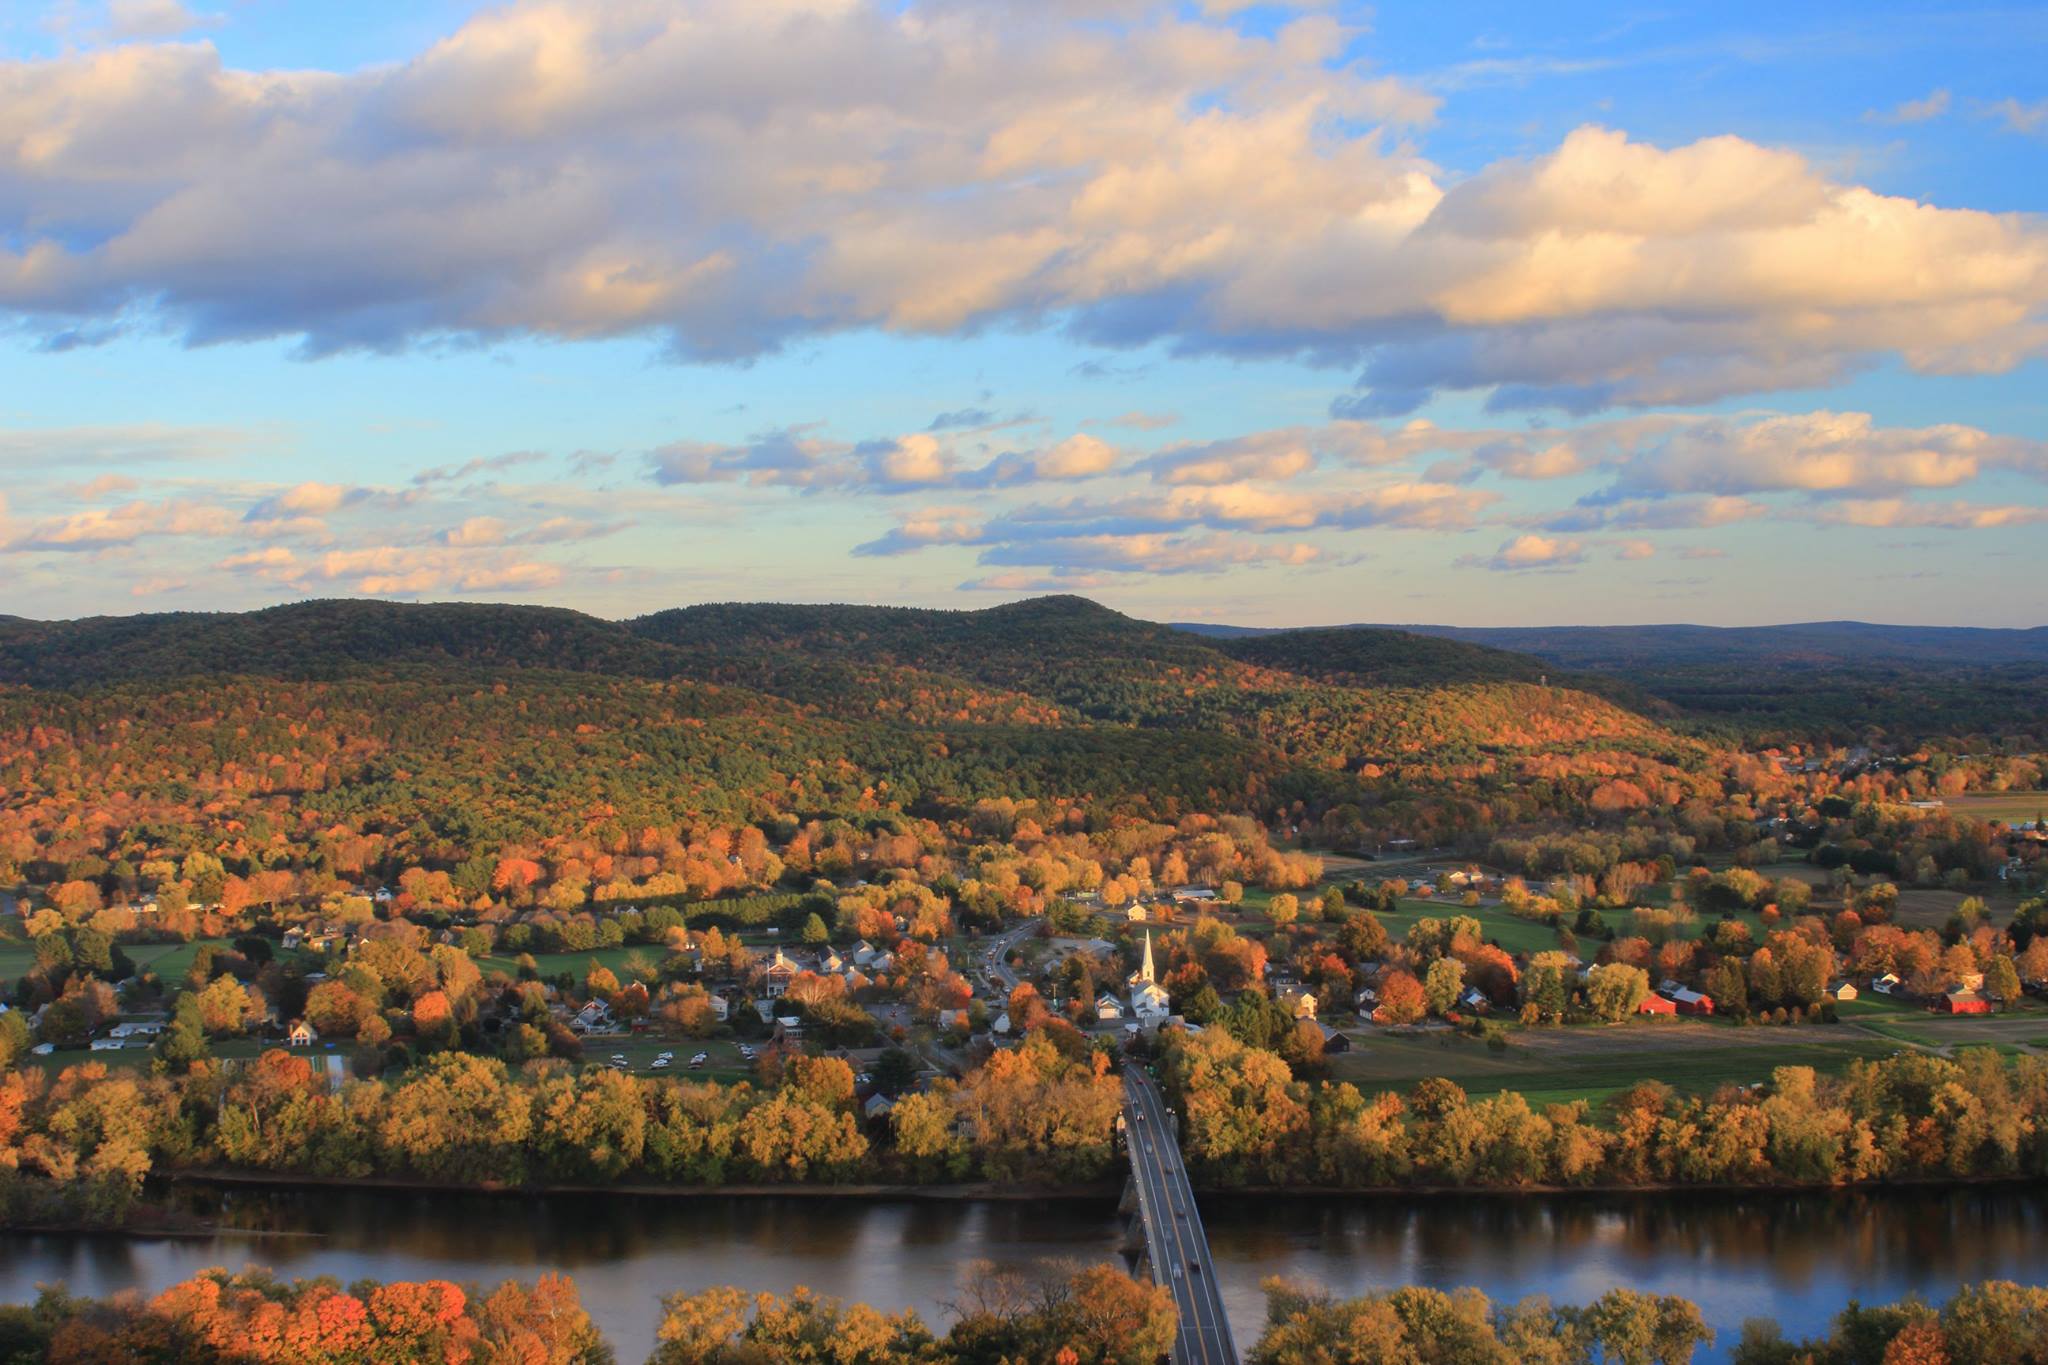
x=595 y=1017
x=1299 y=1003
x=135 y=1028
x=1002 y=1023
x=1193 y=895
x=1475 y=1000
x=831 y=962
x=1888 y=984
x=1137 y=913
x=952 y=1019
x=721 y=1008
x=1333 y=1041
x=862 y=953
x=1963 y=1002
x=294 y=939
x=107 y=1045
x=878 y=1106
x=1842 y=990
x=1108 y=1007
x=1656 y=1004
x=302 y=1034
x=766 y=1009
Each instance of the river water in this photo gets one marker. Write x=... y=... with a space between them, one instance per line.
x=1796 y=1258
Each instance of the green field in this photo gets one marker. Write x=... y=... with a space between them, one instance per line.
x=1593 y=1063
x=576 y=964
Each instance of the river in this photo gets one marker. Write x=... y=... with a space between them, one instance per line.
x=1796 y=1258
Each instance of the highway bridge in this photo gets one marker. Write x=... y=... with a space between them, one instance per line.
x=1174 y=1243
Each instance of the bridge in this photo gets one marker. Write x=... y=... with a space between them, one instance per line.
x=1171 y=1226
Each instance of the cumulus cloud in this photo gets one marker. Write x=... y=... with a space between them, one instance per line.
x=732 y=175
x=101 y=528
x=1529 y=552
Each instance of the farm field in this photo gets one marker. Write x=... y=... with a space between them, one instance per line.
x=2008 y=806
x=1554 y=1066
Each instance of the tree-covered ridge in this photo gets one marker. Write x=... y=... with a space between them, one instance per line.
x=450 y=731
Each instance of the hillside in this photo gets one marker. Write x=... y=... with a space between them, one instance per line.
x=1839 y=681
x=455 y=719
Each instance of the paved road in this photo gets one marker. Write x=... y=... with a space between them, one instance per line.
x=1173 y=1227
x=999 y=947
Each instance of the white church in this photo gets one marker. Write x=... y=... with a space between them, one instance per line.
x=1149 y=1004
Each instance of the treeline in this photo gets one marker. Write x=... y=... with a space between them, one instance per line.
x=1056 y=1314
x=78 y=1148
x=1246 y=1121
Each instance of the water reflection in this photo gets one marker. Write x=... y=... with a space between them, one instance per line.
x=1796 y=1258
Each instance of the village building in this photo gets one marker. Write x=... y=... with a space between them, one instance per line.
x=302 y=1034
x=1149 y=1003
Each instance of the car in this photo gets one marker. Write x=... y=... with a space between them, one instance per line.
x=1194 y=1266
x=1176 y=1272
x=660 y=1064
x=618 y=1057
x=698 y=1060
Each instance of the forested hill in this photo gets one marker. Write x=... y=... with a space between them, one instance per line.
x=1047 y=662
x=443 y=726
x=1835 y=680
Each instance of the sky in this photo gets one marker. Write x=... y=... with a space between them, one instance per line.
x=1210 y=311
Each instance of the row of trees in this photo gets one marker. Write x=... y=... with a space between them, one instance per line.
x=1054 y=1314
x=82 y=1144
x=1248 y=1121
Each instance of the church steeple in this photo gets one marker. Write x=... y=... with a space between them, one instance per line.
x=1146 y=970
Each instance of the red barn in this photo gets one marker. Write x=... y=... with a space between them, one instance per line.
x=1963 y=1002
x=1656 y=1004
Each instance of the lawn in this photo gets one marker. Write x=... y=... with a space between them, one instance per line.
x=1513 y=933
x=1550 y=1066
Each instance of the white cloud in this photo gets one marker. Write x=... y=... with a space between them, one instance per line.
x=1530 y=552
x=732 y=175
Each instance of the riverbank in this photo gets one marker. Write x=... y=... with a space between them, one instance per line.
x=1796 y=1256
x=976 y=1191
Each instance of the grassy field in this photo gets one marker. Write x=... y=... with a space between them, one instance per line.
x=576 y=964
x=2006 y=806
x=1551 y=1066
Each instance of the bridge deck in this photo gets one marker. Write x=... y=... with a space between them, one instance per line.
x=1173 y=1227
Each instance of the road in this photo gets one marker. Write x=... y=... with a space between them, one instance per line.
x=996 y=964
x=1173 y=1226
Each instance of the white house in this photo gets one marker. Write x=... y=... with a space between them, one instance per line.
x=1888 y=984
x=1108 y=1007
x=302 y=1034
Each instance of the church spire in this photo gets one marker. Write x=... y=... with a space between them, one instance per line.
x=1146 y=970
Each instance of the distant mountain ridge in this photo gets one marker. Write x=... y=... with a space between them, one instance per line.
x=1615 y=648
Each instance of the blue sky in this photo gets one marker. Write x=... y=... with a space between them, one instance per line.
x=1456 y=313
